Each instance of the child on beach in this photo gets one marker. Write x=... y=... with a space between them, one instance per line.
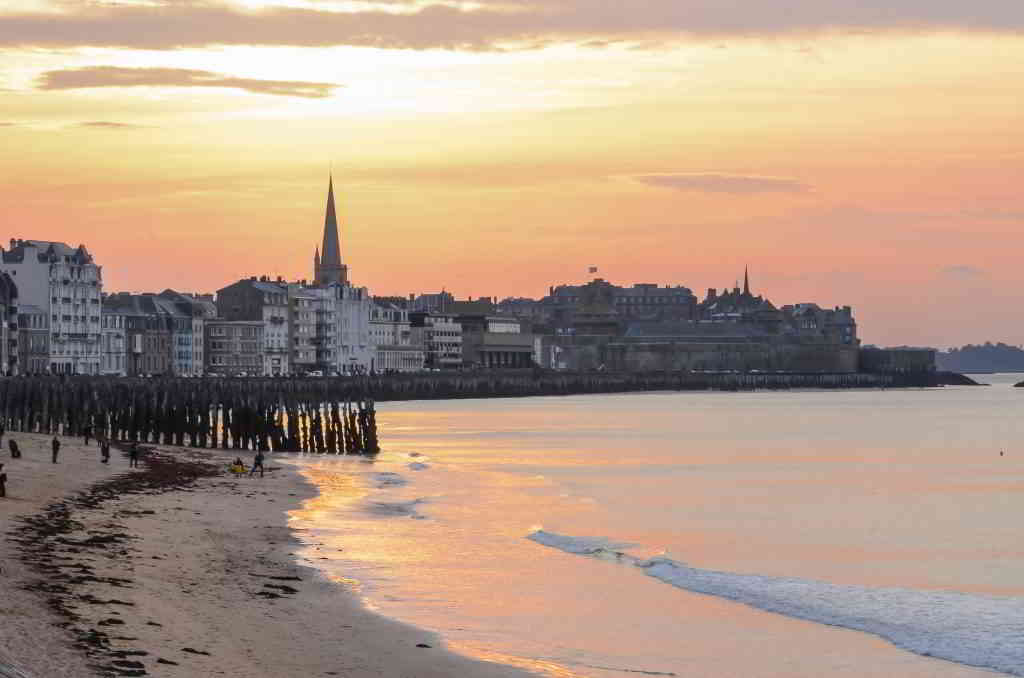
x=13 y=445
x=105 y=451
x=133 y=455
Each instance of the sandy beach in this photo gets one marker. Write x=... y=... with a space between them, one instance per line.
x=167 y=571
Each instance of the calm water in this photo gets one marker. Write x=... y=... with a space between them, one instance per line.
x=852 y=533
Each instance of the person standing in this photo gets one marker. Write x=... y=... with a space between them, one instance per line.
x=55 y=445
x=87 y=433
x=105 y=451
x=257 y=461
x=133 y=455
x=3 y=482
x=13 y=445
x=2 y=432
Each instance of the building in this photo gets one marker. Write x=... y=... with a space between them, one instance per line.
x=113 y=345
x=33 y=340
x=266 y=301
x=68 y=285
x=327 y=265
x=440 y=335
x=497 y=342
x=235 y=348
x=9 y=335
x=643 y=301
x=147 y=333
x=355 y=347
x=391 y=336
x=189 y=313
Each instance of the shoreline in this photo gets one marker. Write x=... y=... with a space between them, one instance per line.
x=171 y=571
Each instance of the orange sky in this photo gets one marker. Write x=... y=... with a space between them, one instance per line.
x=849 y=156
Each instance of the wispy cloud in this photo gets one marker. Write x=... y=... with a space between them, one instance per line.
x=735 y=184
x=106 y=124
x=485 y=23
x=116 y=76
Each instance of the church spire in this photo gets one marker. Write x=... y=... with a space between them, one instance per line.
x=746 y=280
x=330 y=268
x=330 y=252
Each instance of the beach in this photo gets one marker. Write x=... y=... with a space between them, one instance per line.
x=169 y=571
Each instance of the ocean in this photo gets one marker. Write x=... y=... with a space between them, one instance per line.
x=841 y=533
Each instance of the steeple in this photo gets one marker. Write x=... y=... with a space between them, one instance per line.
x=316 y=265
x=746 y=280
x=328 y=266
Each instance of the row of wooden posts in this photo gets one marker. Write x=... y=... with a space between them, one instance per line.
x=291 y=415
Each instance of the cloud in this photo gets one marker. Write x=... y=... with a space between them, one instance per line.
x=105 y=124
x=484 y=24
x=115 y=76
x=734 y=184
x=962 y=271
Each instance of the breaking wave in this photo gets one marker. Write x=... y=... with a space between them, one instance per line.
x=971 y=629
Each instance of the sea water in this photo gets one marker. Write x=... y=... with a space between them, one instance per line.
x=803 y=533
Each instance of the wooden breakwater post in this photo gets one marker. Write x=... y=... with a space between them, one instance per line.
x=286 y=415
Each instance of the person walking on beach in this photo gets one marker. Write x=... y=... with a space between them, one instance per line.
x=3 y=482
x=105 y=451
x=56 y=448
x=133 y=455
x=13 y=445
x=87 y=433
x=257 y=461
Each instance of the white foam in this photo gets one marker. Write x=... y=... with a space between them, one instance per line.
x=977 y=630
x=587 y=546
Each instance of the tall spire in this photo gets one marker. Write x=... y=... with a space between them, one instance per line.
x=329 y=268
x=746 y=280
x=330 y=252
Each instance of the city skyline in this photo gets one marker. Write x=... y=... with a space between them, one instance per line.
x=495 y=149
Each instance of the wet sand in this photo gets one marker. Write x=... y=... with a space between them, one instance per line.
x=170 y=572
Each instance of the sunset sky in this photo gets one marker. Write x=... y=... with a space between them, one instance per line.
x=861 y=152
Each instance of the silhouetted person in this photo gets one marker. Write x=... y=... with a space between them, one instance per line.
x=3 y=482
x=55 y=445
x=87 y=433
x=105 y=451
x=15 y=452
x=133 y=455
x=257 y=461
x=2 y=432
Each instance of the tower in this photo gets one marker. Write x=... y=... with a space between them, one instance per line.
x=327 y=261
x=746 y=280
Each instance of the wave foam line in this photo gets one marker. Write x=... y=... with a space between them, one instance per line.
x=976 y=630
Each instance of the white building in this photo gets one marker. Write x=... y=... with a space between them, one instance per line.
x=69 y=285
x=355 y=348
x=391 y=336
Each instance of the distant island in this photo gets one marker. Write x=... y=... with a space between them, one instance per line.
x=987 y=357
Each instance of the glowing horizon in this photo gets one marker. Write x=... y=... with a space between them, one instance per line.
x=498 y=148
